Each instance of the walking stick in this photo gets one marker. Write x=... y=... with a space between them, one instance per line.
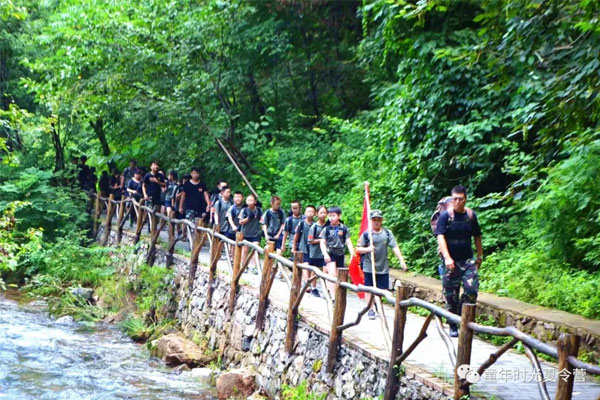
x=384 y=324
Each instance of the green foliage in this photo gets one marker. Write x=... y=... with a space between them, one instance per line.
x=136 y=329
x=153 y=286
x=46 y=204
x=533 y=275
x=300 y=392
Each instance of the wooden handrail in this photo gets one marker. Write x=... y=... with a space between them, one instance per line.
x=569 y=359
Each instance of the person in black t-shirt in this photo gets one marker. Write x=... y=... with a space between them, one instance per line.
x=104 y=184
x=194 y=198
x=134 y=190
x=455 y=228
x=152 y=185
x=115 y=184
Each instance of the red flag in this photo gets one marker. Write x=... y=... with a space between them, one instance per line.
x=356 y=273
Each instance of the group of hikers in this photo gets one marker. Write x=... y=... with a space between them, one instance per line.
x=317 y=231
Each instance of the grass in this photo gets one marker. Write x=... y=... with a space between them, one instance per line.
x=300 y=392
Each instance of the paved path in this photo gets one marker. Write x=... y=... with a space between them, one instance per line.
x=511 y=377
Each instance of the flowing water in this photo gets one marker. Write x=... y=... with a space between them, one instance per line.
x=42 y=359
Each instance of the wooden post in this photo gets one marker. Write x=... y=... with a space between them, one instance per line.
x=293 y=312
x=393 y=380
x=567 y=345
x=338 y=318
x=171 y=245
x=154 y=232
x=97 y=211
x=216 y=247
x=463 y=354
x=109 y=215
x=266 y=281
x=140 y=222
x=237 y=266
x=120 y=217
x=195 y=254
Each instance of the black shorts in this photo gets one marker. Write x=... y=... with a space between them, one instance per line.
x=156 y=201
x=278 y=242
x=383 y=280
x=317 y=262
x=306 y=258
x=230 y=235
x=338 y=259
x=253 y=239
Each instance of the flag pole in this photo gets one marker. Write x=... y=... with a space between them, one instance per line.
x=384 y=324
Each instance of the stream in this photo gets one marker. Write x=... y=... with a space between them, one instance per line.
x=43 y=359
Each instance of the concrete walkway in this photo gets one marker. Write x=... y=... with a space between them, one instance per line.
x=511 y=377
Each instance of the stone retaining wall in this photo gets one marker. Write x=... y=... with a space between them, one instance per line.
x=358 y=374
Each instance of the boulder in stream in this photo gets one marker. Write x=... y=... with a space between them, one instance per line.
x=175 y=350
x=235 y=384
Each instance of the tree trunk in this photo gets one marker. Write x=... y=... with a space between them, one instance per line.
x=259 y=107
x=98 y=127
x=59 y=153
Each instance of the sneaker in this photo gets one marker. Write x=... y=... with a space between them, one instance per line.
x=315 y=292
x=372 y=314
x=453 y=331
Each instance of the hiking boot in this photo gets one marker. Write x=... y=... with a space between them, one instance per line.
x=372 y=314
x=453 y=331
x=315 y=292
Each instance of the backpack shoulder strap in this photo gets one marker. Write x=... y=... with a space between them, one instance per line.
x=450 y=215
x=388 y=234
x=469 y=213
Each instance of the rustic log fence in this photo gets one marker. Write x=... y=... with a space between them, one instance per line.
x=565 y=351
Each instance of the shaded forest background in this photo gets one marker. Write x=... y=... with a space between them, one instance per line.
x=313 y=98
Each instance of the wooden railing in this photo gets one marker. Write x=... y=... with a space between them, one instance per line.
x=198 y=234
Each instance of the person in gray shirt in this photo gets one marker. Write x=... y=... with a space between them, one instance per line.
x=301 y=244
x=250 y=225
x=383 y=239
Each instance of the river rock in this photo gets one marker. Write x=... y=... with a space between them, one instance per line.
x=235 y=384
x=176 y=350
x=86 y=294
x=66 y=320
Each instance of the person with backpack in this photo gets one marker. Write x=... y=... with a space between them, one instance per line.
x=152 y=185
x=301 y=243
x=134 y=190
x=454 y=230
x=444 y=204
x=291 y=223
x=171 y=192
x=215 y=195
x=249 y=222
x=128 y=173
x=194 y=201
x=272 y=223
x=233 y=215
x=383 y=239
x=334 y=237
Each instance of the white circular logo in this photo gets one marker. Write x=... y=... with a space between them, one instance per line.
x=464 y=371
